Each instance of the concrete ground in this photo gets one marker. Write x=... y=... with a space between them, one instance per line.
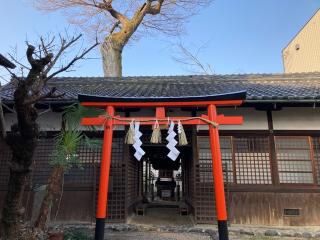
x=185 y=236
x=163 y=222
x=150 y=232
x=156 y=236
x=162 y=216
x=167 y=218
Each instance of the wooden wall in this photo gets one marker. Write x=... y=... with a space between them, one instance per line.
x=78 y=202
x=253 y=196
x=265 y=208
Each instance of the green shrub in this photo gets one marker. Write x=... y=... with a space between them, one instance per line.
x=76 y=235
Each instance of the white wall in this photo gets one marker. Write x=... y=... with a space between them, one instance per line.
x=296 y=119
x=286 y=119
x=50 y=121
x=252 y=119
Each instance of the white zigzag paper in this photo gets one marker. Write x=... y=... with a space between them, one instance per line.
x=137 y=142
x=174 y=152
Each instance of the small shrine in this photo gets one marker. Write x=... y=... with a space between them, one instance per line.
x=175 y=129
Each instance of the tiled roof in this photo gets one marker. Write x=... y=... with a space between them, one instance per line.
x=302 y=86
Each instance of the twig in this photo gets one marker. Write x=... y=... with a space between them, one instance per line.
x=76 y=58
x=18 y=62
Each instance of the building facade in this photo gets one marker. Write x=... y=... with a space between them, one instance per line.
x=271 y=162
x=302 y=54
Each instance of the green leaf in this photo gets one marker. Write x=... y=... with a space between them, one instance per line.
x=73 y=114
x=70 y=139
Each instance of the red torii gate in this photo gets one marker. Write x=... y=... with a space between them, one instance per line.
x=110 y=120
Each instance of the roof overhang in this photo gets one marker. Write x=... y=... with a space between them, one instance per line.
x=241 y=95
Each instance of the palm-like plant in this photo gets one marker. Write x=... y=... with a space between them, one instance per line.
x=65 y=155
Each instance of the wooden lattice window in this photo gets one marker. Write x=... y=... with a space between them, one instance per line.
x=316 y=154
x=41 y=159
x=205 y=162
x=227 y=159
x=252 y=160
x=82 y=176
x=294 y=159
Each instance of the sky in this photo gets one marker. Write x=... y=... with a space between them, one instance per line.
x=239 y=36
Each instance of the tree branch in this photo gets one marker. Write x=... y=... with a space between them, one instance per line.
x=141 y=12
x=154 y=10
x=76 y=58
x=63 y=47
x=107 y=5
x=187 y=58
x=45 y=47
x=18 y=62
x=37 y=98
x=37 y=63
x=115 y=25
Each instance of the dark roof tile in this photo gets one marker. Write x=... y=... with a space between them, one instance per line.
x=258 y=86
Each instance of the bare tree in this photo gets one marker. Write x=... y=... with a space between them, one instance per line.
x=190 y=59
x=44 y=66
x=118 y=20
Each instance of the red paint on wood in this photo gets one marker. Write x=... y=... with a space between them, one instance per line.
x=160 y=112
x=105 y=166
x=221 y=120
x=94 y=121
x=160 y=116
x=232 y=120
x=217 y=173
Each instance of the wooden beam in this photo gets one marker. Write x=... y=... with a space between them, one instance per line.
x=163 y=104
x=221 y=120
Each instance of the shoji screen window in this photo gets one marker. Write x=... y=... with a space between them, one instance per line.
x=294 y=159
x=252 y=160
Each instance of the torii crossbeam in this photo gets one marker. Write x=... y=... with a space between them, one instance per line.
x=109 y=120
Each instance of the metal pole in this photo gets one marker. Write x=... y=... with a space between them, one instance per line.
x=217 y=175
x=104 y=177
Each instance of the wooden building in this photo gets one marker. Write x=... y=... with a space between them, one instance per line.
x=271 y=162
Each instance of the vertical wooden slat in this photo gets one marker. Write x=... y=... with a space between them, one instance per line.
x=314 y=169
x=272 y=148
x=233 y=160
x=316 y=144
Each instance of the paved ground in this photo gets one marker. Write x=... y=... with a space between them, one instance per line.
x=165 y=223
x=162 y=216
x=156 y=236
x=183 y=236
x=140 y=232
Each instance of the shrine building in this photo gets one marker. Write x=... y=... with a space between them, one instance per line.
x=270 y=160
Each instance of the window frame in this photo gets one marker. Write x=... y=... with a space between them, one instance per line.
x=312 y=160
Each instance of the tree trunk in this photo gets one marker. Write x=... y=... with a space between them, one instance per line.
x=22 y=141
x=54 y=189
x=13 y=211
x=2 y=121
x=111 y=57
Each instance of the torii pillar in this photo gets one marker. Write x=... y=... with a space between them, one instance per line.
x=217 y=175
